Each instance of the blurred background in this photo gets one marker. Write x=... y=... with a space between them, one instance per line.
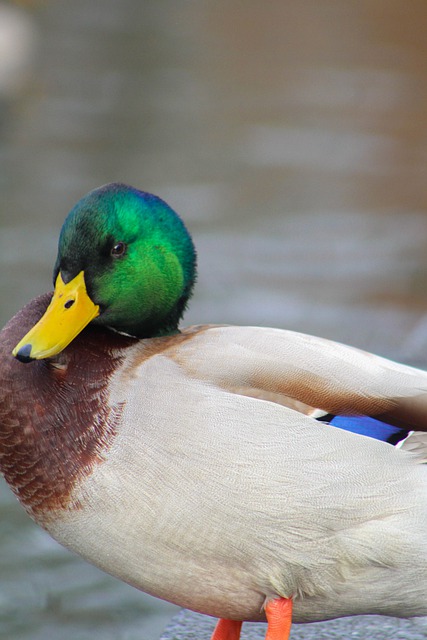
x=291 y=135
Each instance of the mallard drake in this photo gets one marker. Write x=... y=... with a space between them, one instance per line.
x=246 y=473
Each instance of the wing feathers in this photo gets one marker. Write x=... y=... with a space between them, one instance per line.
x=306 y=373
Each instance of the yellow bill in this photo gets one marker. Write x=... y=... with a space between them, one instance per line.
x=70 y=310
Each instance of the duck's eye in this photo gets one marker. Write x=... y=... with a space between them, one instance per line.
x=118 y=250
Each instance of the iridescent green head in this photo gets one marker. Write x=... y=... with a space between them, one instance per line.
x=125 y=260
x=138 y=259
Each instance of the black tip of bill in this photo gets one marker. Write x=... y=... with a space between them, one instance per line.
x=23 y=355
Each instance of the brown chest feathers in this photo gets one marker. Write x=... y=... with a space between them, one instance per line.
x=56 y=422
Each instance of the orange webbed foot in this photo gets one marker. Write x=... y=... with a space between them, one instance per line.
x=227 y=630
x=279 y=621
x=279 y=618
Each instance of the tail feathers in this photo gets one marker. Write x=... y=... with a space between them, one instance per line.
x=416 y=443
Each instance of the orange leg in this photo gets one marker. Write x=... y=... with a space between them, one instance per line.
x=227 y=630
x=279 y=618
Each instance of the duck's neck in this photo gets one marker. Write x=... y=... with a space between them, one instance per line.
x=156 y=326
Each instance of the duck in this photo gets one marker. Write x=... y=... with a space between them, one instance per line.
x=246 y=473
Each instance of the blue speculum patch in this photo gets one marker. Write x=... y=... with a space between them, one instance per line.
x=367 y=426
